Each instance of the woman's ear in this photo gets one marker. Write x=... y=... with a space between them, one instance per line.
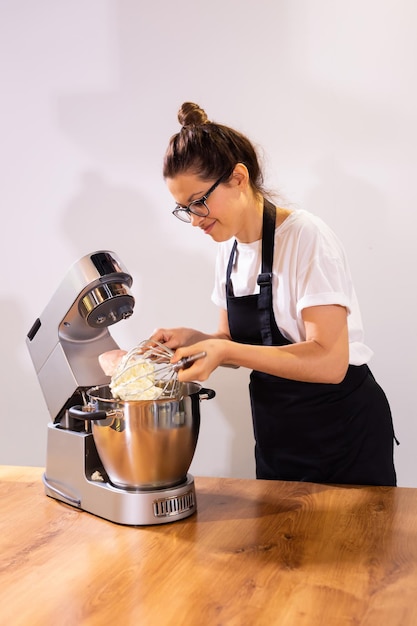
x=240 y=175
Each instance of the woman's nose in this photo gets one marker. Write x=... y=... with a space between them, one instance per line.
x=196 y=219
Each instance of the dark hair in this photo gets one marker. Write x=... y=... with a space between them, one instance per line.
x=209 y=150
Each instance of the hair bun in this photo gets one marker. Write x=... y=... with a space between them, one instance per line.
x=191 y=114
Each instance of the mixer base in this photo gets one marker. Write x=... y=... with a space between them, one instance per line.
x=74 y=475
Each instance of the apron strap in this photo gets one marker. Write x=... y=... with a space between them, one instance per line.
x=229 y=284
x=265 y=277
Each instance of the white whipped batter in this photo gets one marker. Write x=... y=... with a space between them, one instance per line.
x=134 y=379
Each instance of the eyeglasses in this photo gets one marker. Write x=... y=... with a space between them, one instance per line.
x=196 y=207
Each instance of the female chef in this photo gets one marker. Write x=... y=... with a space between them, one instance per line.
x=288 y=312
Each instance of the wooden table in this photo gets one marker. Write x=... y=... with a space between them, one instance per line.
x=255 y=553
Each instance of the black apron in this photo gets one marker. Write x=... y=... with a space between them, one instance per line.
x=326 y=433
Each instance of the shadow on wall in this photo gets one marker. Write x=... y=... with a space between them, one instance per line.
x=20 y=389
x=359 y=215
x=167 y=278
x=357 y=208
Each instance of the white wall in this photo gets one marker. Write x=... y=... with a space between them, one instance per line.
x=89 y=95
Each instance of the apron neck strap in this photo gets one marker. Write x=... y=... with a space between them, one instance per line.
x=265 y=277
x=268 y=238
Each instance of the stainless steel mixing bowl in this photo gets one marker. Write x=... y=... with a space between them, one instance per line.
x=146 y=444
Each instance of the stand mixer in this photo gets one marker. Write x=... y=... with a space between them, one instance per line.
x=64 y=344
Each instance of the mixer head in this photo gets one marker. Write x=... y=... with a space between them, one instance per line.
x=67 y=338
x=104 y=297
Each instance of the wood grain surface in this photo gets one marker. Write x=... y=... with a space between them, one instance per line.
x=255 y=553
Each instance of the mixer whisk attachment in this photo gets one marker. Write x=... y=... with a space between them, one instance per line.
x=146 y=372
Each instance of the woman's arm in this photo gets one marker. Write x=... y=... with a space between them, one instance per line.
x=323 y=357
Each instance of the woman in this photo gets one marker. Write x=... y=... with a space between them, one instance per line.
x=288 y=311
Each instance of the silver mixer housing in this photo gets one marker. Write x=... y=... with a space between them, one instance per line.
x=64 y=343
x=66 y=340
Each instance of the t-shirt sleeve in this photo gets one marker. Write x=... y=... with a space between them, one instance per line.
x=323 y=275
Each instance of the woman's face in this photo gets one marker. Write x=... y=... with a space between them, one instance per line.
x=226 y=204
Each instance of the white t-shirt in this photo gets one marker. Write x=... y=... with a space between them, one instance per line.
x=309 y=269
